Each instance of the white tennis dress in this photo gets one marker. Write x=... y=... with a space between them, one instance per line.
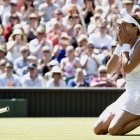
x=130 y=99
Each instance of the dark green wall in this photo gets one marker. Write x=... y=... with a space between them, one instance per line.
x=83 y=102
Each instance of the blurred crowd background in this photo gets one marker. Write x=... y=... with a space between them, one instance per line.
x=60 y=43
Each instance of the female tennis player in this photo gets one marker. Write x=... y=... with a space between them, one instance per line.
x=123 y=115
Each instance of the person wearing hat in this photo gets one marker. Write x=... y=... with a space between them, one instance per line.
x=20 y=64
x=38 y=43
x=128 y=7
x=82 y=41
x=51 y=64
x=30 y=28
x=13 y=46
x=123 y=115
x=8 y=78
x=32 y=59
x=32 y=78
x=56 y=80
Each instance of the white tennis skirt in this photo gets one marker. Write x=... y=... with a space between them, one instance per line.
x=128 y=101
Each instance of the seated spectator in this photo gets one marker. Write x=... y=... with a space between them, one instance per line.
x=38 y=43
x=26 y=9
x=32 y=78
x=88 y=10
x=59 y=51
x=101 y=38
x=82 y=41
x=51 y=64
x=14 y=19
x=14 y=45
x=46 y=10
x=30 y=28
x=8 y=78
x=69 y=63
x=90 y=62
x=56 y=80
x=79 y=80
x=102 y=80
x=21 y=63
x=44 y=60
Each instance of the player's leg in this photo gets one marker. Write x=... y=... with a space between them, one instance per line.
x=103 y=122
x=123 y=122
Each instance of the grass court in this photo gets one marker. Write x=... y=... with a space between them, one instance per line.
x=55 y=129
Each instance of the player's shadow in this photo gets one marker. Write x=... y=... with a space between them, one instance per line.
x=132 y=135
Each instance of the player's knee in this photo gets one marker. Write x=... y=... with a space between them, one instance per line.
x=114 y=130
x=98 y=130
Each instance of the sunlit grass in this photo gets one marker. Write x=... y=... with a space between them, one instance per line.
x=54 y=129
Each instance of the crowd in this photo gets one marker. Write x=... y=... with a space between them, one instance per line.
x=60 y=43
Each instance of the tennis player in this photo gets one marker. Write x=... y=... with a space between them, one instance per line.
x=123 y=115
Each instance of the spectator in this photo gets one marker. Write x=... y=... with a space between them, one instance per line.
x=72 y=20
x=89 y=62
x=101 y=38
x=94 y=24
x=26 y=9
x=21 y=63
x=8 y=78
x=58 y=18
x=32 y=78
x=102 y=80
x=14 y=20
x=88 y=11
x=5 y=12
x=14 y=45
x=128 y=6
x=56 y=80
x=51 y=64
x=79 y=80
x=60 y=50
x=69 y=63
x=69 y=4
x=44 y=60
x=55 y=33
x=82 y=41
x=30 y=28
x=38 y=43
x=46 y=10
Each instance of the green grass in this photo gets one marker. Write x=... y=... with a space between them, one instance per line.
x=54 y=129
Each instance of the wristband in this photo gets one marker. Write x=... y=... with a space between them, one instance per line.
x=118 y=50
x=126 y=48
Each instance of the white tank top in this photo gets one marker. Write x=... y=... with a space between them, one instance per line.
x=133 y=78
